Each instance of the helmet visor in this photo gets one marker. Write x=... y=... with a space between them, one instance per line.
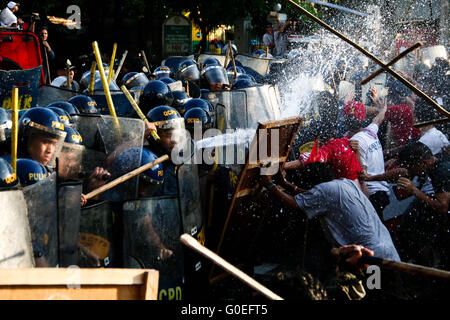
x=190 y=73
x=216 y=75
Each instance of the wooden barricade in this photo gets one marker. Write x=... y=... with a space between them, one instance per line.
x=78 y=284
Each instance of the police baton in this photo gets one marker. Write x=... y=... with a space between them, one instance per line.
x=125 y=177
x=410 y=268
x=138 y=110
x=193 y=244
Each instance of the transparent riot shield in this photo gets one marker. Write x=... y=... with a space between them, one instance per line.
x=42 y=205
x=205 y=56
x=151 y=240
x=260 y=65
x=104 y=138
x=69 y=210
x=49 y=94
x=262 y=105
x=70 y=161
x=96 y=236
x=15 y=247
x=121 y=104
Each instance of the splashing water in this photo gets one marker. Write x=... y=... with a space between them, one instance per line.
x=238 y=137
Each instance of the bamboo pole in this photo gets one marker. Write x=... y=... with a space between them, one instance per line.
x=98 y=58
x=392 y=62
x=138 y=110
x=430 y=101
x=232 y=59
x=193 y=244
x=145 y=61
x=125 y=177
x=119 y=68
x=92 y=78
x=111 y=65
x=410 y=268
x=431 y=122
x=15 y=127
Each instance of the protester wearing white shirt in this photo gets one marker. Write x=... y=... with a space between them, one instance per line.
x=7 y=16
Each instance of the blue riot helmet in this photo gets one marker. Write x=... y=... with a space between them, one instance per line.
x=210 y=61
x=40 y=126
x=64 y=117
x=85 y=105
x=245 y=76
x=162 y=72
x=165 y=118
x=5 y=126
x=167 y=80
x=242 y=84
x=237 y=63
x=69 y=108
x=71 y=156
x=8 y=179
x=30 y=172
x=198 y=103
x=188 y=70
x=258 y=53
x=180 y=98
x=135 y=79
x=155 y=93
x=230 y=73
x=216 y=77
x=199 y=116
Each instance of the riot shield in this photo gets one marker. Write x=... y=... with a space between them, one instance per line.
x=262 y=105
x=151 y=240
x=96 y=236
x=70 y=161
x=69 y=210
x=105 y=137
x=205 y=56
x=244 y=108
x=121 y=104
x=48 y=94
x=28 y=83
x=15 y=247
x=42 y=204
x=260 y=65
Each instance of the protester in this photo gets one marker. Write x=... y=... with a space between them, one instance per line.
x=371 y=154
x=8 y=18
x=48 y=55
x=348 y=216
x=268 y=38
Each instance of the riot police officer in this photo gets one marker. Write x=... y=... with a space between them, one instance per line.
x=41 y=135
x=161 y=72
x=85 y=105
x=155 y=93
x=188 y=70
x=215 y=78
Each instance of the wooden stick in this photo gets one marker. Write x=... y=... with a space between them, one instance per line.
x=125 y=177
x=111 y=64
x=392 y=62
x=430 y=101
x=410 y=268
x=138 y=110
x=119 y=68
x=190 y=242
x=232 y=59
x=14 y=128
x=431 y=122
x=145 y=61
x=92 y=78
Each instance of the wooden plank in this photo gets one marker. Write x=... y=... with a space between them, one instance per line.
x=242 y=205
x=61 y=276
x=78 y=284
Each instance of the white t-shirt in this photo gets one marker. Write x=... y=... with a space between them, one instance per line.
x=7 y=18
x=435 y=140
x=281 y=43
x=371 y=153
x=268 y=39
